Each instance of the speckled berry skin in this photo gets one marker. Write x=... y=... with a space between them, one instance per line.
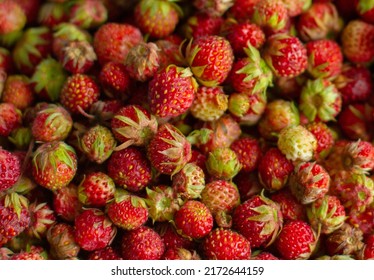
x=10 y=167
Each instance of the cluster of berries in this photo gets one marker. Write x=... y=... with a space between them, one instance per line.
x=175 y=129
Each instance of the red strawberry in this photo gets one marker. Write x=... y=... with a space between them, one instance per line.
x=180 y=254
x=171 y=238
x=213 y=7
x=242 y=10
x=41 y=219
x=18 y=91
x=202 y=24
x=127 y=211
x=112 y=41
x=264 y=256
x=165 y=99
x=104 y=110
x=34 y=253
x=10 y=167
x=205 y=56
x=88 y=14
x=108 y=253
x=368 y=251
x=248 y=184
x=193 y=220
x=285 y=55
x=53 y=123
x=60 y=237
x=291 y=209
x=274 y=170
x=325 y=58
x=169 y=150
x=13 y=17
x=226 y=244
x=142 y=244
x=10 y=118
x=357 y=41
x=133 y=125
x=296 y=241
x=157 y=18
x=79 y=93
x=365 y=10
x=296 y=7
x=96 y=189
x=77 y=57
x=66 y=202
x=130 y=169
x=258 y=219
x=31 y=8
x=114 y=79
x=363 y=221
x=325 y=139
x=93 y=230
x=52 y=14
x=54 y=165
x=248 y=151
x=189 y=181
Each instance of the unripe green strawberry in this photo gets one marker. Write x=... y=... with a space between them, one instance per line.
x=54 y=165
x=52 y=123
x=88 y=14
x=127 y=211
x=98 y=143
x=189 y=181
x=222 y=163
x=21 y=137
x=297 y=143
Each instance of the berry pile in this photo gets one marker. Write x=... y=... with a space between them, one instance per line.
x=205 y=129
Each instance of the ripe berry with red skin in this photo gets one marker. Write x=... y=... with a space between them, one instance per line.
x=52 y=14
x=171 y=238
x=248 y=151
x=142 y=244
x=202 y=24
x=93 y=230
x=77 y=57
x=264 y=256
x=130 y=169
x=180 y=254
x=108 y=253
x=88 y=14
x=114 y=79
x=368 y=251
x=226 y=244
x=10 y=118
x=291 y=209
x=17 y=90
x=365 y=10
x=60 y=237
x=10 y=167
x=242 y=10
x=66 y=203
x=325 y=139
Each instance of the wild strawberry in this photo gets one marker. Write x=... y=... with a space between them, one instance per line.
x=77 y=57
x=243 y=34
x=226 y=244
x=320 y=21
x=88 y=14
x=362 y=220
x=223 y=163
x=130 y=169
x=142 y=61
x=242 y=10
x=263 y=256
x=368 y=250
x=291 y=209
x=96 y=189
x=213 y=7
x=171 y=238
x=157 y=18
x=108 y=253
x=10 y=166
x=13 y=17
x=248 y=151
x=204 y=56
x=6 y=60
x=127 y=211
x=93 y=230
x=14 y=216
x=180 y=254
x=346 y=240
x=169 y=53
x=21 y=138
x=250 y=74
x=357 y=41
x=104 y=110
x=326 y=214
x=34 y=253
x=112 y=41
x=210 y=103
x=41 y=219
x=365 y=10
x=325 y=139
x=296 y=241
x=17 y=90
x=271 y=16
x=79 y=93
x=10 y=118
x=354 y=121
x=193 y=220
x=278 y=115
x=162 y=202
x=325 y=58
x=221 y=197
x=54 y=165
x=220 y=133
x=248 y=184
x=52 y=14
x=189 y=181
x=142 y=244
x=133 y=125
x=66 y=203
x=295 y=8
x=202 y=24
x=297 y=143
x=30 y=8
x=34 y=45
x=285 y=55
x=98 y=143
x=114 y=79
x=53 y=123
x=169 y=150
x=165 y=99
x=309 y=182
x=48 y=79
x=60 y=237
x=320 y=100
x=258 y=219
